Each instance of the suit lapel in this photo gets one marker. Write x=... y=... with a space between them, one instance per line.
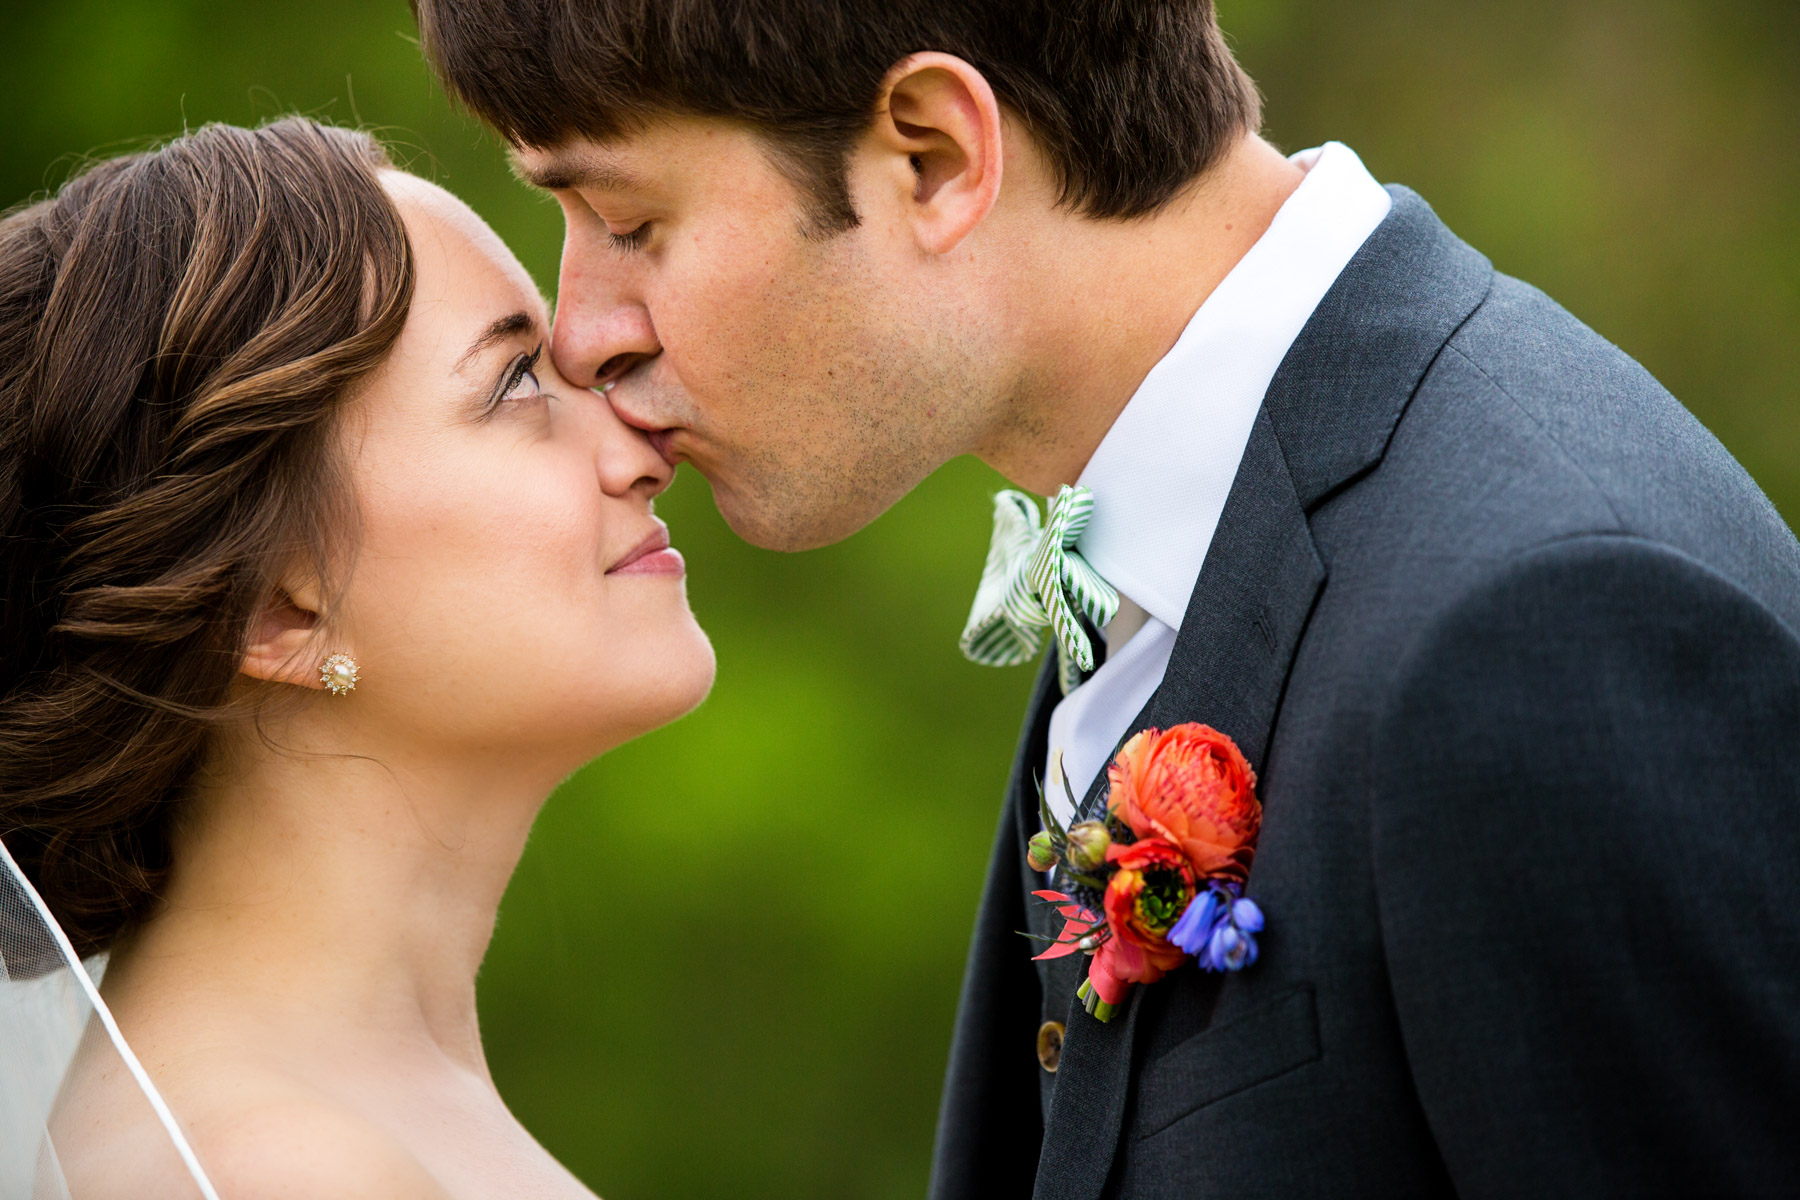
x=1326 y=419
x=1243 y=623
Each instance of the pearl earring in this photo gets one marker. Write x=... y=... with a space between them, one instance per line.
x=338 y=673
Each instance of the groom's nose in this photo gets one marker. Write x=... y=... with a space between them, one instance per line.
x=601 y=331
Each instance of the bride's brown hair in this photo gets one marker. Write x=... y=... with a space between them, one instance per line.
x=178 y=330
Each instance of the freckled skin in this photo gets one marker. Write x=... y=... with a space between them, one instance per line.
x=799 y=383
x=815 y=377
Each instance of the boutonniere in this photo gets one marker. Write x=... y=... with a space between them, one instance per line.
x=1162 y=877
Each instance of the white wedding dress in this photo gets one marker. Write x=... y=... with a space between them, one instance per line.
x=50 y=1008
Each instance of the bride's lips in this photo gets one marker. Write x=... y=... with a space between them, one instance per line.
x=652 y=556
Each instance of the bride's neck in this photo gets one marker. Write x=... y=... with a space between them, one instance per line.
x=353 y=888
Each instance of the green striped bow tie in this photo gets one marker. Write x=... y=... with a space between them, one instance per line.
x=1035 y=580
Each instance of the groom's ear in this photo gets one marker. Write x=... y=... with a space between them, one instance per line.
x=936 y=140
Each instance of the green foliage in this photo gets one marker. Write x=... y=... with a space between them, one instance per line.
x=741 y=1038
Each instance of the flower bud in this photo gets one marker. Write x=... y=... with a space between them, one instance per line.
x=1039 y=852
x=1087 y=846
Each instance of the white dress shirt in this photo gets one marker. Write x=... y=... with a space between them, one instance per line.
x=1161 y=475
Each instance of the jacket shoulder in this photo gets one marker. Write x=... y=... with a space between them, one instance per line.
x=1567 y=434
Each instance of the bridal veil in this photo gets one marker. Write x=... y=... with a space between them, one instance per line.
x=51 y=1012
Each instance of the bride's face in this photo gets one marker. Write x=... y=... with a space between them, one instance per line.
x=511 y=591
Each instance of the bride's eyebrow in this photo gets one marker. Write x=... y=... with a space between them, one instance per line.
x=511 y=325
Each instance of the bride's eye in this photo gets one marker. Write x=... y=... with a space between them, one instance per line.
x=518 y=383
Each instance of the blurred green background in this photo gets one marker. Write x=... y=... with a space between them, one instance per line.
x=729 y=962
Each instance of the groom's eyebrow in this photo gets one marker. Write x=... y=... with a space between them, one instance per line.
x=594 y=172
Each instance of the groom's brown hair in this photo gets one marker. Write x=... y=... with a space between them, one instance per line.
x=1128 y=99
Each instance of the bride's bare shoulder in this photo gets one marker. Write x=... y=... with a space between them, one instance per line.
x=300 y=1149
x=257 y=1135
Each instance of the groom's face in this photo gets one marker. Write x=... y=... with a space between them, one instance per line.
x=812 y=378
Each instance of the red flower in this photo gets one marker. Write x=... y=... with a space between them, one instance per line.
x=1193 y=787
x=1150 y=887
x=1116 y=966
x=1078 y=922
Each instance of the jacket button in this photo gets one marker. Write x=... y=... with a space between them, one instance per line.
x=1049 y=1046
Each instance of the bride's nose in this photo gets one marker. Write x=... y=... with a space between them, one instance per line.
x=625 y=460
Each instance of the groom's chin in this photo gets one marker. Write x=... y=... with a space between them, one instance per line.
x=794 y=519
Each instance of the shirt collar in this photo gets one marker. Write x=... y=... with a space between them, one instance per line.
x=1161 y=475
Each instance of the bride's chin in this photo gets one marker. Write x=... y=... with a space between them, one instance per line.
x=682 y=681
x=690 y=690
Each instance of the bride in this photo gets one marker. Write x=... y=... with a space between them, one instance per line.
x=317 y=581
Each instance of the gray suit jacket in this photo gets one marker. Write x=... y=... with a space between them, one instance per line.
x=1511 y=641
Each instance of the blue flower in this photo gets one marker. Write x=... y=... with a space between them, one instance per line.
x=1195 y=928
x=1232 y=944
x=1246 y=915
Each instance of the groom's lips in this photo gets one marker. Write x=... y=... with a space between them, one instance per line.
x=661 y=439
x=652 y=556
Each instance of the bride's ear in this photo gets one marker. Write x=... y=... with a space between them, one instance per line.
x=937 y=140
x=281 y=636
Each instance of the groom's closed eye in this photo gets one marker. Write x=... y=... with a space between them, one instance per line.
x=631 y=240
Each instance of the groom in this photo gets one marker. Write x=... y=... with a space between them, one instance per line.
x=1508 y=638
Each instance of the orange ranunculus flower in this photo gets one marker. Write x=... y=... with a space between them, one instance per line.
x=1150 y=888
x=1192 y=786
x=1149 y=891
